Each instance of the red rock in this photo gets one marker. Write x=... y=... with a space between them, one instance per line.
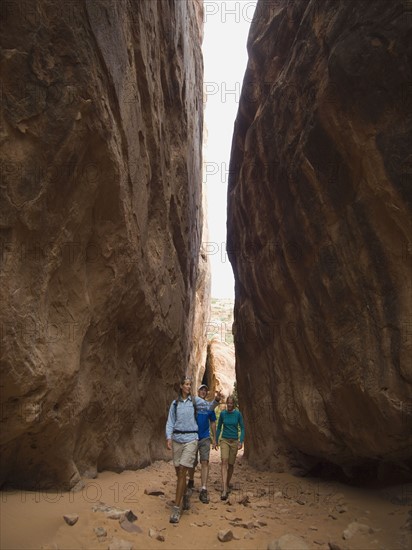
x=319 y=232
x=101 y=169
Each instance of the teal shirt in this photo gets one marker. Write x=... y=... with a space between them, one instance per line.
x=231 y=421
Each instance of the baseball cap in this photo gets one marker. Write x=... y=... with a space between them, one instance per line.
x=202 y=386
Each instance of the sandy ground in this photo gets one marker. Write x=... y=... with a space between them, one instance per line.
x=318 y=511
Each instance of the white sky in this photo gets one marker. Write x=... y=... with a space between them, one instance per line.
x=226 y=28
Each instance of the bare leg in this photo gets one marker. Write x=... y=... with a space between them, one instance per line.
x=229 y=473
x=181 y=485
x=204 y=472
x=224 y=475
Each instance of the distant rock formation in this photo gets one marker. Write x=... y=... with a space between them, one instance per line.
x=101 y=221
x=220 y=367
x=319 y=235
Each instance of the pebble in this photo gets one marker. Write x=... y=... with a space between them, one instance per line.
x=354 y=528
x=113 y=513
x=156 y=535
x=100 y=531
x=129 y=526
x=225 y=535
x=71 y=519
x=154 y=491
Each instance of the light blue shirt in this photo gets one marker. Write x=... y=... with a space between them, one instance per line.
x=182 y=418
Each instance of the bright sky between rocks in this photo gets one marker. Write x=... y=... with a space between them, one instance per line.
x=226 y=28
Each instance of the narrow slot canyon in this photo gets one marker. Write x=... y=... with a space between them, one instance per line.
x=106 y=278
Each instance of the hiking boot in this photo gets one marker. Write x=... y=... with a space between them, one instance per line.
x=203 y=496
x=191 y=484
x=175 y=515
x=223 y=496
x=186 y=501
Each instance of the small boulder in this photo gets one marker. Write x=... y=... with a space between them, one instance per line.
x=225 y=535
x=129 y=526
x=354 y=528
x=71 y=519
x=129 y=515
x=154 y=491
x=100 y=532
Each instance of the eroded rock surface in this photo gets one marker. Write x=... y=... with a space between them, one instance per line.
x=101 y=221
x=202 y=312
x=319 y=230
x=220 y=367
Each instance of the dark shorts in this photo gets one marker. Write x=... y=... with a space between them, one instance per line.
x=204 y=450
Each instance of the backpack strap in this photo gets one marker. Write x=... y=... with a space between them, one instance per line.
x=194 y=408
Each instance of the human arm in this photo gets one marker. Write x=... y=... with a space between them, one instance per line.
x=170 y=424
x=219 y=427
x=213 y=431
x=207 y=405
x=216 y=401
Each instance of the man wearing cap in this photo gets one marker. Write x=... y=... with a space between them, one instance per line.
x=204 y=417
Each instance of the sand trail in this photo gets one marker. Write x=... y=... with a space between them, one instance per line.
x=263 y=506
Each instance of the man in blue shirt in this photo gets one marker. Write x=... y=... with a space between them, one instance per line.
x=204 y=418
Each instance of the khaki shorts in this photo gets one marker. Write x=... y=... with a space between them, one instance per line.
x=228 y=450
x=204 y=450
x=184 y=454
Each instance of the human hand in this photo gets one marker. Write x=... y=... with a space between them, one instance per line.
x=239 y=445
x=169 y=444
x=218 y=396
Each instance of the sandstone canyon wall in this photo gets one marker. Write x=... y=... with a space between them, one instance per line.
x=220 y=367
x=319 y=228
x=101 y=220
x=202 y=311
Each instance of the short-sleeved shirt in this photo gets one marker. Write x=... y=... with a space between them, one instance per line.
x=203 y=419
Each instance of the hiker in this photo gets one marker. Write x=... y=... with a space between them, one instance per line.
x=182 y=437
x=204 y=417
x=231 y=419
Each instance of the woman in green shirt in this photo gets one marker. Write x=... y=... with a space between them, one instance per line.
x=231 y=420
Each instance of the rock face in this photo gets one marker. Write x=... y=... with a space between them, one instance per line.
x=101 y=221
x=220 y=367
x=319 y=234
x=202 y=312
